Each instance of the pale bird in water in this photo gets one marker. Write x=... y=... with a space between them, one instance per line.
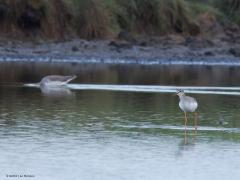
x=56 y=80
x=187 y=104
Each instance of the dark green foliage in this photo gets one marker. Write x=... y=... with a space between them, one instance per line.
x=155 y=16
x=30 y=17
x=231 y=8
x=90 y=19
x=102 y=18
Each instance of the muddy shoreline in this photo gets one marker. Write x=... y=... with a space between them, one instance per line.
x=163 y=50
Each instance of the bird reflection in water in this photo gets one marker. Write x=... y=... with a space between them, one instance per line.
x=186 y=138
x=187 y=143
x=56 y=91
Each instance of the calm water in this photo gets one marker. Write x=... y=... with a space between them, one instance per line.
x=96 y=134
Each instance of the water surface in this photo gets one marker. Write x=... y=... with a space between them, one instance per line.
x=97 y=134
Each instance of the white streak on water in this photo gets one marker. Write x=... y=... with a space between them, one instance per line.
x=31 y=85
x=169 y=127
x=153 y=89
x=158 y=89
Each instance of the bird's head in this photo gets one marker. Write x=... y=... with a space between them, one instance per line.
x=180 y=92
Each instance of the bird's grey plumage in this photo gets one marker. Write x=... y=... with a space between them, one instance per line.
x=56 y=80
x=187 y=103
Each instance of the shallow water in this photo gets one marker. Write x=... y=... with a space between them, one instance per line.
x=90 y=134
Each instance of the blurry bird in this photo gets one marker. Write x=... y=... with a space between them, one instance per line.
x=221 y=121
x=187 y=104
x=56 y=80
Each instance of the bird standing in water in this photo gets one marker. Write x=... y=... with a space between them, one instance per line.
x=187 y=104
x=56 y=80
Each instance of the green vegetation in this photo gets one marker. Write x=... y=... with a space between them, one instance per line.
x=34 y=17
x=153 y=17
x=231 y=8
x=90 y=19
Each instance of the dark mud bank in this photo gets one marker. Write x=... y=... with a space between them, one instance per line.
x=166 y=51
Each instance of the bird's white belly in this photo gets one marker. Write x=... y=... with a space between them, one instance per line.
x=54 y=83
x=188 y=106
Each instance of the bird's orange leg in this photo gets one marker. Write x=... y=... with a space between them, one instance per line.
x=185 y=116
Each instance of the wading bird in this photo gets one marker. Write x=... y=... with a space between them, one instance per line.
x=56 y=80
x=187 y=104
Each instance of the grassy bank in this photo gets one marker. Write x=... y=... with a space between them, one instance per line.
x=90 y=19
